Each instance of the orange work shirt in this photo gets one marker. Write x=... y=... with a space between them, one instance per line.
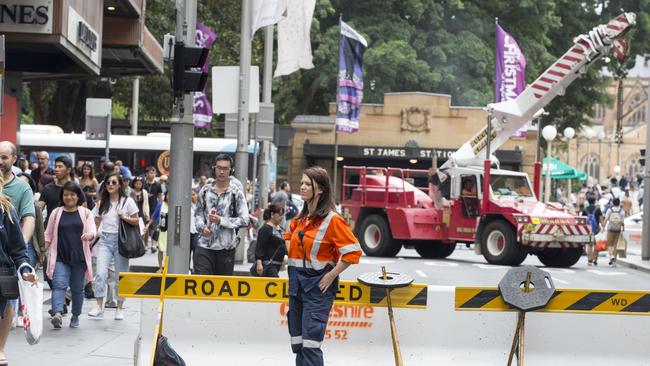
x=325 y=241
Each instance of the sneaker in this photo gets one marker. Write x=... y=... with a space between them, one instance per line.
x=119 y=314
x=96 y=312
x=110 y=305
x=56 y=321
x=590 y=263
x=74 y=321
x=612 y=262
x=19 y=322
x=13 y=322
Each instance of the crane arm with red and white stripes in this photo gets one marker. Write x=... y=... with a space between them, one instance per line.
x=509 y=116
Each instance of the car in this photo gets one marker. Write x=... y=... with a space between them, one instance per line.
x=632 y=232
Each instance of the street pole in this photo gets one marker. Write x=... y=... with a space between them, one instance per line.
x=645 y=243
x=266 y=97
x=135 y=106
x=182 y=152
x=243 y=139
x=547 y=184
x=336 y=161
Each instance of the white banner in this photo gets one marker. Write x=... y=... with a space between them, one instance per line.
x=294 y=41
x=266 y=12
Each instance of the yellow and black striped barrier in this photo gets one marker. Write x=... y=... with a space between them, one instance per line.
x=259 y=289
x=563 y=301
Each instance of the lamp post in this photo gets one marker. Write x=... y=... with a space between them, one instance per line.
x=589 y=134
x=569 y=133
x=549 y=132
x=600 y=136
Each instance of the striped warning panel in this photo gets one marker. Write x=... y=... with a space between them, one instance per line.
x=233 y=288
x=563 y=301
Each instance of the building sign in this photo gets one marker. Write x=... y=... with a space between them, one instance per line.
x=407 y=153
x=83 y=36
x=396 y=153
x=26 y=16
x=164 y=162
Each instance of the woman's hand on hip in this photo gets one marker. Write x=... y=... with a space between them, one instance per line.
x=326 y=281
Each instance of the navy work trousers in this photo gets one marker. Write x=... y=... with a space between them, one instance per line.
x=307 y=317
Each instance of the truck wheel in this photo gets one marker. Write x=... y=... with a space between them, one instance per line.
x=560 y=257
x=499 y=246
x=435 y=249
x=376 y=239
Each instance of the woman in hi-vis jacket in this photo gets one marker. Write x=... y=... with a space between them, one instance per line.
x=321 y=246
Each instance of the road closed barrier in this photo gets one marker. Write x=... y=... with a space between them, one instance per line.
x=255 y=333
x=259 y=289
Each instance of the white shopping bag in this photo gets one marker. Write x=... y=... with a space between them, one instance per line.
x=31 y=297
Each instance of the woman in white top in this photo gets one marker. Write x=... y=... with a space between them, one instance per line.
x=113 y=206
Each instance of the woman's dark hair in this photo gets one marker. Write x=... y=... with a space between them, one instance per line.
x=319 y=179
x=138 y=178
x=616 y=201
x=272 y=208
x=75 y=188
x=30 y=181
x=104 y=198
x=46 y=179
x=92 y=170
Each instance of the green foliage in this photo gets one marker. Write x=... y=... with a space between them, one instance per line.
x=439 y=46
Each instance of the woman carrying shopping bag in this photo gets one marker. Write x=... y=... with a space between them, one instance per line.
x=69 y=232
x=112 y=207
x=13 y=257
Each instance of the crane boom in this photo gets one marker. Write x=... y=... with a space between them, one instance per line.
x=508 y=116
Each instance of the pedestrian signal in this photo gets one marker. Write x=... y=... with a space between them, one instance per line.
x=188 y=69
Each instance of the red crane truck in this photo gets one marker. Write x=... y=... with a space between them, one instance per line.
x=468 y=201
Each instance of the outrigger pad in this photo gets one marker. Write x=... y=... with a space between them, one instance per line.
x=393 y=280
x=540 y=292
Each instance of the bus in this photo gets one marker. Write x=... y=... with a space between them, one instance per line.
x=136 y=152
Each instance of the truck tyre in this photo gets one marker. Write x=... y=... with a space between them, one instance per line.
x=560 y=257
x=499 y=245
x=375 y=237
x=435 y=249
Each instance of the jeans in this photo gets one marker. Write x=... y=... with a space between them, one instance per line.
x=68 y=275
x=107 y=250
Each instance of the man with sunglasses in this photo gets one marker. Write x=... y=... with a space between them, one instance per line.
x=220 y=211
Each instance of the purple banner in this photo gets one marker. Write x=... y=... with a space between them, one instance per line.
x=510 y=78
x=350 y=80
x=205 y=37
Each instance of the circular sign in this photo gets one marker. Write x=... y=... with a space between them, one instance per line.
x=164 y=161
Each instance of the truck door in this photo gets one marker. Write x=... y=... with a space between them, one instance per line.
x=465 y=209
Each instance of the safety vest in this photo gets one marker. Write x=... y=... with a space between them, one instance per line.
x=325 y=242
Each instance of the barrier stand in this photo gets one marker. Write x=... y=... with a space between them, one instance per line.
x=518 y=340
x=159 y=327
x=383 y=281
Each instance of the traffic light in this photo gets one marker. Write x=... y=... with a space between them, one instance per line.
x=642 y=160
x=188 y=69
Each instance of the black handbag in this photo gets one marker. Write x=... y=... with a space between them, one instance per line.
x=130 y=243
x=8 y=284
x=165 y=355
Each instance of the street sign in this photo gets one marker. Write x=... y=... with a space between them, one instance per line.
x=225 y=89
x=563 y=301
x=259 y=289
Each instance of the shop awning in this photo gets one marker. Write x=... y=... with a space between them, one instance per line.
x=560 y=170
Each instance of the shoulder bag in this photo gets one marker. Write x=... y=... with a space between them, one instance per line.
x=130 y=243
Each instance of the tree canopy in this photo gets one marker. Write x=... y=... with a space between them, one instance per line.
x=414 y=45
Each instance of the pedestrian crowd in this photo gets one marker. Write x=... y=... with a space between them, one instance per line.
x=71 y=220
x=606 y=206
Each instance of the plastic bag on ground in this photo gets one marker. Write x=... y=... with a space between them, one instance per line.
x=31 y=297
x=165 y=354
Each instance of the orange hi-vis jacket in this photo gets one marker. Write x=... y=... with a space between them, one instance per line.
x=325 y=241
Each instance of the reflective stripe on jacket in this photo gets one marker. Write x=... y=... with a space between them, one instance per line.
x=325 y=241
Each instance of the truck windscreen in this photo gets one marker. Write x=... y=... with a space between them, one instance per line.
x=511 y=185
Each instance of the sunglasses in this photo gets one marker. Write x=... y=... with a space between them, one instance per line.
x=112 y=183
